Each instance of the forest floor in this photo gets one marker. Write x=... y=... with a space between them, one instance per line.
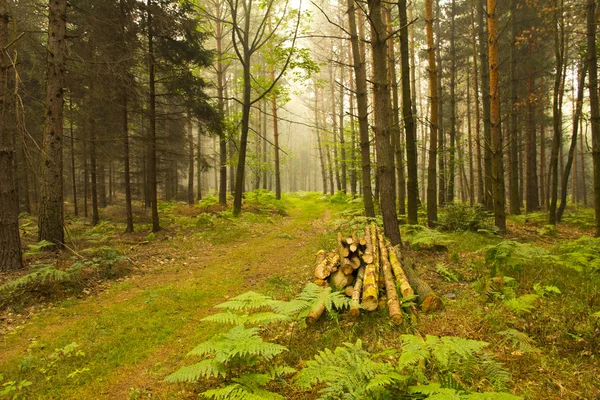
x=119 y=338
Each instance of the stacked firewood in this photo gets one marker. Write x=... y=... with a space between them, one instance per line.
x=368 y=269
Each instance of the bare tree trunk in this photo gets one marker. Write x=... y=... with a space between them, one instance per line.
x=582 y=154
x=190 y=193
x=319 y=144
x=381 y=91
x=497 y=162
x=353 y=174
x=531 y=189
x=470 y=139
x=73 y=171
x=480 y=175
x=94 y=173
x=10 y=241
x=595 y=112
x=412 y=182
x=127 y=175
x=452 y=155
x=152 y=117
x=433 y=117
x=343 y=162
x=51 y=213
x=571 y=158
x=441 y=151
x=221 y=106
x=513 y=134
x=485 y=84
x=360 y=73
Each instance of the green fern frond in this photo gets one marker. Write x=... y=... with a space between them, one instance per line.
x=236 y=391
x=519 y=340
x=522 y=305
x=491 y=396
x=414 y=349
x=38 y=247
x=231 y=318
x=247 y=301
x=447 y=346
x=348 y=372
x=47 y=274
x=203 y=369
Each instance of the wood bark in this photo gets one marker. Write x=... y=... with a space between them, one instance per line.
x=595 y=112
x=452 y=155
x=356 y=293
x=390 y=286
x=496 y=132
x=572 y=157
x=412 y=181
x=152 y=178
x=381 y=93
x=10 y=242
x=441 y=151
x=360 y=73
x=480 y=178
x=429 y=301
x=190 y=191
x=514 y=135
x=51 y=213
x=485 y=84
x=433 y=117
x=317 y=310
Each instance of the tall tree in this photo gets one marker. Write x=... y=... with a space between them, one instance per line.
x=381 y=93
x=513 y=134
x=10 y=242
x=485 y=100
x=497 y=162
x=360 y=73
x=452 y=155
x=412 y=182
x=594 y=111
x=433 y=117
x=51 y=213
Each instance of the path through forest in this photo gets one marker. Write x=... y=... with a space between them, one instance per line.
x=136 y=331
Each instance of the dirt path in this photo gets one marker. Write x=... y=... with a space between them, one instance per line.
x=135 y=332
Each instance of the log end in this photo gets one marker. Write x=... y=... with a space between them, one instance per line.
x=370 y=303
x=355 y=312
x=397 y=319
x=321 y=282
x=432 y=303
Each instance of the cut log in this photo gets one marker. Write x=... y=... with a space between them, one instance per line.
x=401 y=278
x=327 y=266
x=358 y=285
x=355 y=261
x=427 y=298
x=375 y=233
x=339 y=280
x=390 y=286
x=362 y=242
x=349 y=291
x=368 y=256
x=349 y=241
x=347 y=266
x=319 y=262
x=354 y=245
x=321 y=282
x=316 y=312
x=342 y=249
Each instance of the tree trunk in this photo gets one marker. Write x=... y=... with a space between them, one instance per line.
x=412 y=182
x=531 y=189
x=595 y=112
x=433 y=117
x=127 y=175
x=319 y=144
x=381 y=92
x=440 y=113
x=51 y=214
x=10 y=242
x=343 y=163
x=452 y=156
x=485 y=84
x=360 y=73
x=497 y=155
x=577 y=115
x=470 y=139
x=513 y=134
x=480 y=179
x=152 y=131
x=559 y=46
x=94 y=173
x=190 y=193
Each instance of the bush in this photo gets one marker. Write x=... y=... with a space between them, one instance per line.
x=460 y=217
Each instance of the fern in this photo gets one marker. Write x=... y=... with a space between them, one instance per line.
x=311 y=295
x=448 y=274
x=581 y=255
x=38 y=247
x=348 y=372
x=515 y=255
x=259 y=318
x=519 y=340
x=435 y=391
x=427 y=239
x=246 y=302
x=45 y=275
x=522 y=305
x=237 y=391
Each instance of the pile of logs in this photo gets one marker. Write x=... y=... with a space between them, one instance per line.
x=368 y=269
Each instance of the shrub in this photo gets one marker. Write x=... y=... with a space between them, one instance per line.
x=460 y=217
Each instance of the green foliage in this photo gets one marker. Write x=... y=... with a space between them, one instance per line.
x=435 y=391
x=460 y=217
x=522 y=305
x=44 y=275
x=548 y=230
x=349 y=372
x=38 y=247
x=421 y=238
x=340 y=198
x=582 y=255
x=545 y=290
x=518 y=340
x=14 y=389
x=449 y=274
x=264 y=201
x=514 y=255
x=239 y=349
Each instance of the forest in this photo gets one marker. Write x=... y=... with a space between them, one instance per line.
x=299 y=199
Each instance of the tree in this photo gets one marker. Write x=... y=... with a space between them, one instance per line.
x=360 y=73
x=497 y=163
x=433 y=117
x=51 y=218
x=10 y=242
x=515 y=202
x=412 y=183
x=382 y=108
x=248 y=37
x=594 y=111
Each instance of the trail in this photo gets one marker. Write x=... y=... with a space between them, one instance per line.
x=135 y=332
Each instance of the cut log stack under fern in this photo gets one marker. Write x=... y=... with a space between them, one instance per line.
x=368 y=269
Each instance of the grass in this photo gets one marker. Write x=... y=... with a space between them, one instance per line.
x=136 y=330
